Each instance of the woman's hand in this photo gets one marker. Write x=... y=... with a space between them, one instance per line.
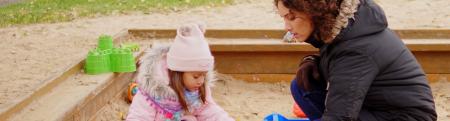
x=308 y=72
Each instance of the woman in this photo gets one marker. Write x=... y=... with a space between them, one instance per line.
x=364 y=72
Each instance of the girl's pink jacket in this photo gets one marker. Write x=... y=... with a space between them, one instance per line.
x=153 y=79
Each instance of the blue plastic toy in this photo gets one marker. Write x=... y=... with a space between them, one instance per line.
x=279 y=117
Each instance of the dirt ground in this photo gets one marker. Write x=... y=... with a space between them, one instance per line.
x=33 y=54
x=404 y=14
x=242 y=100
x=253 y=101
x=441 y=94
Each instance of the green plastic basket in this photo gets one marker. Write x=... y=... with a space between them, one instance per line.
x=105 y=42
x=122 y=60
x=97 y=62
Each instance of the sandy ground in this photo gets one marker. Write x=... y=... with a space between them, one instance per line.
x=441 y=94
x=253 y=101
x=242 y=100
x=417 y=13
x=32 y=54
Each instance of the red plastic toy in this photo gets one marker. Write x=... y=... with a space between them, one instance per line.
x=298 y=111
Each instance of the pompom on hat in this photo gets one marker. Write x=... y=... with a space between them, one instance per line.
x=190 y=50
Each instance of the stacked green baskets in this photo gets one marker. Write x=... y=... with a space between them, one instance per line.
x=105 y=42
x=97 y=62
x=106 y=58
x=122 y=60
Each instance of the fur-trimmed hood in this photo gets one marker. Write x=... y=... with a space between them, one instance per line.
x=357 y=18
x=157 y=101
x=153 y=76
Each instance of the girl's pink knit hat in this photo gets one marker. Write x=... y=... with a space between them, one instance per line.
x=190 y=50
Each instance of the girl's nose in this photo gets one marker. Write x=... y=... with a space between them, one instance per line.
x=200 y=81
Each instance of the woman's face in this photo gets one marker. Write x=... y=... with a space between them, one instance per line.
x=193 y=80
x=298 y=23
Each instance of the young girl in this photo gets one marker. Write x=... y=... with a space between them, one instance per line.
x=174 y=81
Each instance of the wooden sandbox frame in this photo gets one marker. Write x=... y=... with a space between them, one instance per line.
x=250 y=62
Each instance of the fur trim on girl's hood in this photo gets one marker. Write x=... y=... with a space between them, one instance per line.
x=153 y=76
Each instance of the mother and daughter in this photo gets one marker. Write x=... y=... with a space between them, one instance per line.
x=364 y=71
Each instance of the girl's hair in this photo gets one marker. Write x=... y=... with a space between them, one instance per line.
x=322 y=12
x=176 y=82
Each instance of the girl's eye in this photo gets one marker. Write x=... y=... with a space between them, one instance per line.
x=196 y=76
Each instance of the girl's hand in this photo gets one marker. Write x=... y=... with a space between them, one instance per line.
x=188 y=118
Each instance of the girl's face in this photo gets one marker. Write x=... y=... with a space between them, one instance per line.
x=298 y=23
x=194 y=80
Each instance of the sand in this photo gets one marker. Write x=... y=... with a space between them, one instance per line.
x=114 y=110
x=404 y=14
x=33 y=54
x=441 y=94
x=246 y=101
x=243 y=101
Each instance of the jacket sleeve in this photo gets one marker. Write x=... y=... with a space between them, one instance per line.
x=350 y=76
x=140 y=110
x=212 y=111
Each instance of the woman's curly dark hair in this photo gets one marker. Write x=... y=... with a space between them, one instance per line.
x=322 y=12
